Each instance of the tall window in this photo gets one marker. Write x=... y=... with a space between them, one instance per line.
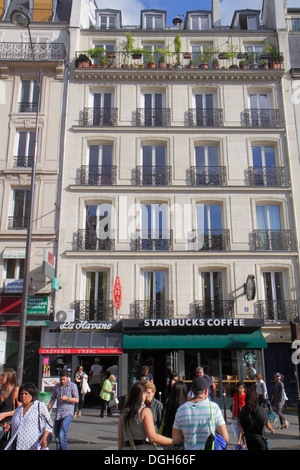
x=155 y=295
x=97 y=294
x=264 y=172
x=153 y=21
x=269 y=228
x=274 y=295
x=29 y=96
x=207 y=165
x=102 y=106
x=98 y=226
x=100 y=164
x=153 y=104
x=154 y=232
x=154 y=165
x=21 y=201
x=25 y=151
x=212 y=293
x=209 y=226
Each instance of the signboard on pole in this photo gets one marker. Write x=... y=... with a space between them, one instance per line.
x=49 y=263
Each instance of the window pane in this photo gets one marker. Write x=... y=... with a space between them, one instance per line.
x=256 y=156
x=106 y=155
x=269 y=156
x=200 y=159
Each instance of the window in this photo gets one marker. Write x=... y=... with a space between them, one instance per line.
x=154 y=165
x=15 y=268
x=100 y=164
x=155 y=303
x=154 y=22
x=269 y=233
x=207 y=165
x=98 y=226
x=25 y=151
x=153 y=104
x=107 y=22
x=29 y=96
x=275 y=305
x=21 y=201
x=209 y=227
x=264 y=171
x=211 y=292
x=204 y=109
x=249 y=22
x=260 y=113
x=200 y=22
x=97 y=304
x=154 y=233
x=296 y=24
x=102 y=108
x=205 y=48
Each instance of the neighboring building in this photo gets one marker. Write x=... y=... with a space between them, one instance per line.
x=19 y=80
x=176 y=194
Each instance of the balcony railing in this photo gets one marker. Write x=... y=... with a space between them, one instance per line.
x=153 y=308
x=93 y=175
x=272 y=240
x=205 y=117
x=30 y=107
x=153 y=175
x=212 y=308
x=209 y=240
x=207 y=176
x=88 y=240
x=17 y=223
x=268 y=118
x=23 y=162
x=21 y=51
x=97 y=310
x=267 y=176
x=99 y=117
x=152 y=240
x=157 y=117
x=277 y=311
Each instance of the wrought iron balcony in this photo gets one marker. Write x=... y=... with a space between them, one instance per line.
x=267 y=176
x=209 y=240
x=23 y=162
x=93 y=175
x=207 y=176
x=272 y=240
x=152 y=240
x=156 y=117
x=212 y=308
x=153 y=175
x=30 y=107
x=268 y=118
x=89 y=240
x=17 y=223
x=153 y=308
x=277 y=311
x=99 y=117
x=21 y=51
x=97 y=310
x=205 y=117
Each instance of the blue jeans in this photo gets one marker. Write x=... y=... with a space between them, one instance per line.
x=61 y=427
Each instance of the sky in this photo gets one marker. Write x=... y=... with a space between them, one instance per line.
x=131 y=8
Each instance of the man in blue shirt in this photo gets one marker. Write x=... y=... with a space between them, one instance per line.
x=66 y=395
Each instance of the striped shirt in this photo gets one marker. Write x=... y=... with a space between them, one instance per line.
x=194 y=421
x=64 y=408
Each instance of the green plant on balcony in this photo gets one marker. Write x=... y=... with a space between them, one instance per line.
x=98 y=53
x=276 y=57
x=204 y=56
x=83 y=61
x=177 y=45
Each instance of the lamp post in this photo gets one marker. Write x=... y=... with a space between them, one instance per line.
x=20 y=17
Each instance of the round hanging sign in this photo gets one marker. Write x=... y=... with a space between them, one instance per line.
x=117 y=293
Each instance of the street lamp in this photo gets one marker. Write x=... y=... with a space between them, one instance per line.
x=20 y=17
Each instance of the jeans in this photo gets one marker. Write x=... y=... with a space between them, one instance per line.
x=61 y=427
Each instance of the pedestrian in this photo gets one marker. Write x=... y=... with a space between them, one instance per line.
x=261 y=389
x=146 y=375
x=8 y=402
x=65 y=394
x=250 y=371
x=237 y=405
x=178 y=397
x=193 y=418
x=106 y=394
x=80 y=380
x=31 y=423
x=279 y=399
x=199 y=372
x=155 y=405
x=96 y=380
x=136 y=429
x=253 y=419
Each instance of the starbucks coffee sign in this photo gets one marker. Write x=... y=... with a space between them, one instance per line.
x=194 y=322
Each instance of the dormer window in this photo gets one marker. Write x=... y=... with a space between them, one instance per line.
x=245 y=20
x=295 y=24
x=198 y=20
x=153 y=19
x=108 y=19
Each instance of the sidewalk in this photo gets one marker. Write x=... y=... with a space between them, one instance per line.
x=90 y=432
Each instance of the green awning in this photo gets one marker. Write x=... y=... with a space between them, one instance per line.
x=253 y=340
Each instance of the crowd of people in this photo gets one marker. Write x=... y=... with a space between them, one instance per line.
x=185 y=421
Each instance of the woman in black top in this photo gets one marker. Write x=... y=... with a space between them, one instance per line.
x=253 y=419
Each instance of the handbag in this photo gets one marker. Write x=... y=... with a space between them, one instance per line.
x=49 y=437
x=113 y=402
x=132 y=445
x=214 y=440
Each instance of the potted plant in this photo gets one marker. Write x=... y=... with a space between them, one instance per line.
x=264 y=64
x=187 y=55
x=276 y=57
x=138 y=53
x=204 y=56
x=83 y=61
x=162 y=62
x=243 y=64
x=177 y=44
x=215 y=63
x=191 y=64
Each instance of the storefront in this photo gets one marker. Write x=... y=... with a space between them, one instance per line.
x=223 y=347
x=69 y=344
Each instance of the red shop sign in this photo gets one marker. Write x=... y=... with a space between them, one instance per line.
x=117 y=293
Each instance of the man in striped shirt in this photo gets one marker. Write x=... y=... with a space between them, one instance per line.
x=193 y=418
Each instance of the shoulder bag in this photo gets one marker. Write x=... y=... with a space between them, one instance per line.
x=214 y=440
x=49 y=437
x=132 y=445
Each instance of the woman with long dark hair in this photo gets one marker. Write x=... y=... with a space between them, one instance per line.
x=253 y=419
x=178 y=397
x=136 y=427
